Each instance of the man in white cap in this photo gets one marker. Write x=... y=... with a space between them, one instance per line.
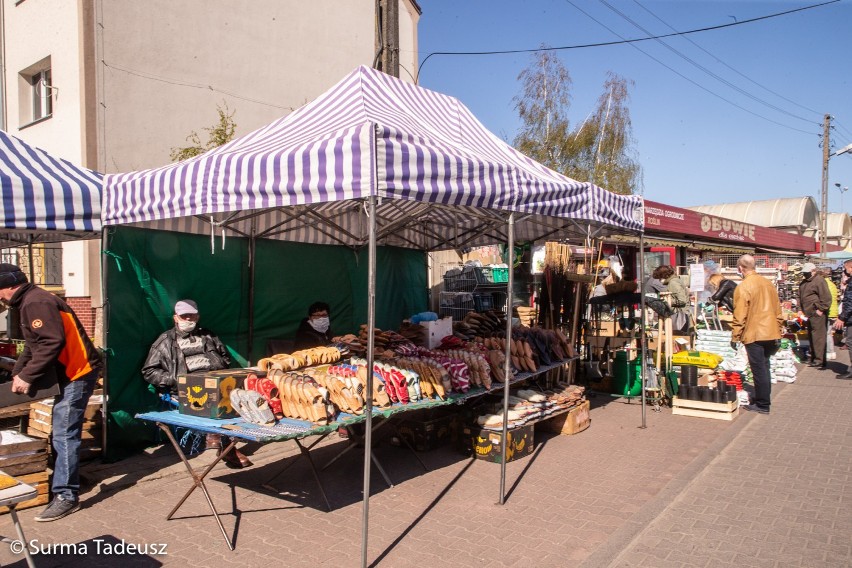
x=187 y=348
x=815 y=301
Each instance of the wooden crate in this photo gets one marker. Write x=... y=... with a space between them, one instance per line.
x=715 y=410
x=572 y=422
x=23 y=458
x=40 y=482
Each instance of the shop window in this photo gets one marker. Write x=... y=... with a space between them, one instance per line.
x=36 y=93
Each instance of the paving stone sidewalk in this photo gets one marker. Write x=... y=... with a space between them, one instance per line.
x=579 y=498
x=778 y=495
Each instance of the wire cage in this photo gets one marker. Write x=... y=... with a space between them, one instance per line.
x=783 y=262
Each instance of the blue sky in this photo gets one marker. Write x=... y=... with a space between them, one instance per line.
x=694 y=147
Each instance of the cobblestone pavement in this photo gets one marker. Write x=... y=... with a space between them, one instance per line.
x=780 y=494
x=683 y=490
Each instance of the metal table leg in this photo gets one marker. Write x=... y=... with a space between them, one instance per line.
x=20 y=530
x=354 y=443
x=198 y=480
x=305 y=452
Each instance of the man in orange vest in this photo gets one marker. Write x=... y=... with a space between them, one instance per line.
x=56 y=350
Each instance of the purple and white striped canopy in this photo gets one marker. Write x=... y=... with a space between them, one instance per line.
x=440 y=174
x=45 y=199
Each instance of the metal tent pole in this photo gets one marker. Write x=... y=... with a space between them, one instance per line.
x=368 y=398
x=510 y=260
x=252 y=247
x=104 y=340
x=642 y=319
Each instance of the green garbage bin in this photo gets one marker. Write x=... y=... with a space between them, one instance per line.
x=626 y=380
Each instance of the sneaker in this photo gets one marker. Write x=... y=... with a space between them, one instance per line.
x=755 y=408
x=57 y=509
x=831 y=356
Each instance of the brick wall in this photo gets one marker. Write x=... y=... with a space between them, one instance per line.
x=85 y=312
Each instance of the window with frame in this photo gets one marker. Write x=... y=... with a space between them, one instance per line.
x=35 y=93
x=42 y=87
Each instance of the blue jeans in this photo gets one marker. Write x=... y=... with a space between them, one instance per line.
x=69 y=408
x=759 y=353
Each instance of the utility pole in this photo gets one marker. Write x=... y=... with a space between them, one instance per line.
x=826 y=155
x=390 y=35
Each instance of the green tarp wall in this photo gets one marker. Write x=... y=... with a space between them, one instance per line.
x=148 y=271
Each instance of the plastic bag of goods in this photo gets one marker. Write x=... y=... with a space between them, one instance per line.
x=697 y=358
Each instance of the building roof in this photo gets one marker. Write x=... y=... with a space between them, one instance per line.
x=789 y=212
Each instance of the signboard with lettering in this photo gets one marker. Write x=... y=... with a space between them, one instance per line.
x=685 y=222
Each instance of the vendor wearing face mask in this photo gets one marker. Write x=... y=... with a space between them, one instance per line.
x=314 y=331
x=188 y=348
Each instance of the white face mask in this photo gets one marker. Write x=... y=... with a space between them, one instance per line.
x=319 y=324
x=186 y=326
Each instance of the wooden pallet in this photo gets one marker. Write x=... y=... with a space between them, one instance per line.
x=715 y=410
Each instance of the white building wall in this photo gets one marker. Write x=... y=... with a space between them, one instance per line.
x=34 y=30
x=167 y=65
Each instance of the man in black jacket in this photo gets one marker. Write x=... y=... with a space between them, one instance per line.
x=187 y=348
x=57 y=350
x=814 y=301
x=314 y=330
x=844 y=318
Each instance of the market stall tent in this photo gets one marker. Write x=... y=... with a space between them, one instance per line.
x=372 y=161
x=44 y=198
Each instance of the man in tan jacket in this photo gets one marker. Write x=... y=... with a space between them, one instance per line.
x=757 y=324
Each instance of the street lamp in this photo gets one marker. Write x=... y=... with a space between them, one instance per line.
x=842 y=190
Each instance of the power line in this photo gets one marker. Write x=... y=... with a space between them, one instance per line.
x=194 y=85
x=622 y=41
x=682 y=76
x=704 y=69
x=746 y=77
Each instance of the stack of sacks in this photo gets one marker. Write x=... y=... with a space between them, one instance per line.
x=718 y=342
x=782 y=365
x=736 y=362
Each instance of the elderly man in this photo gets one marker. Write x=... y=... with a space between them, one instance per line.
x=57 y=349
x=757 y=324
x=844 y=318
x=815 y=301
x=187 y=348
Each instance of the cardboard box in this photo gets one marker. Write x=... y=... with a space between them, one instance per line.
x=434 y=428
x=572 y=422
x=488 y=444
x=207 y=394
x=437 y=330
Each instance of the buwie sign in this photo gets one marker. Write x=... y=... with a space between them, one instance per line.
x=727 y=228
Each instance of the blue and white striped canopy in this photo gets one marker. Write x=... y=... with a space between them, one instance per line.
x=442 y=177
x=45 y=199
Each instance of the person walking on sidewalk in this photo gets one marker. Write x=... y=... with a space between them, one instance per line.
x=830 y=352
x=56 y=350
x=757 y=325
x=814 y=302
x=844 y=318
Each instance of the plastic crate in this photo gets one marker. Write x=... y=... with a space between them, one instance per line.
x=499 y=275
x=483 y=302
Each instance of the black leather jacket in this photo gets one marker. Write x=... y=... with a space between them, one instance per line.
x=307 y=337
x=165 y=360
x=845 y=314
x=725 y=294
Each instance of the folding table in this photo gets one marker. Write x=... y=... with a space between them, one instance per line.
x=10 y=497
